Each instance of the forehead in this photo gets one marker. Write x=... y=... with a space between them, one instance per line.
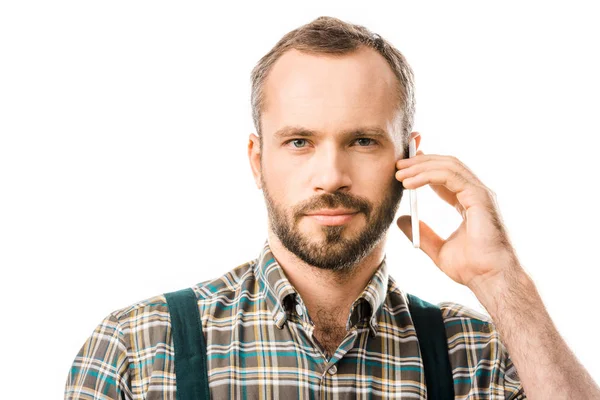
x=324 y=91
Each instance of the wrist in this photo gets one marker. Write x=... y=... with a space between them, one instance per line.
x=506 y=287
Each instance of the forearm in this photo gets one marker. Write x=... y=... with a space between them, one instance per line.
x=548 y=369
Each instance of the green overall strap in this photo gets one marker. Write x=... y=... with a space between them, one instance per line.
x=191 y=372
x=431 y=334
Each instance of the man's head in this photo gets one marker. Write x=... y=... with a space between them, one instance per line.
x=333 y=106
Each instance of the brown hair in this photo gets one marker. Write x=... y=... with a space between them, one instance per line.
x=330 y=35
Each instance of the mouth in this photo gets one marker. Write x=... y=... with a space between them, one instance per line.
x=332 y=219
x=329 y=211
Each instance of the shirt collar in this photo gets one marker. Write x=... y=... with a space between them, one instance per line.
x=281 y=296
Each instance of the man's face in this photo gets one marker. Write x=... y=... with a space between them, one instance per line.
x=333 y=167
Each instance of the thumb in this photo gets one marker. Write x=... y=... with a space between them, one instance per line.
x=431 y=242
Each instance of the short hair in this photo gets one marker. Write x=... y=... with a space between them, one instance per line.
x=328 y=35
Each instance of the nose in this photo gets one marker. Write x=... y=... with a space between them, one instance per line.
x=330 y=170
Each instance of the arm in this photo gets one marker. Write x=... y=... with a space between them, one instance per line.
x=548 y=369
x=100 y=369
x=480 y=255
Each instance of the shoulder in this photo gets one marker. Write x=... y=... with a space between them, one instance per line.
x=152 y=313
x=131 y=349
x=464 y=322
x=472 y=335
x=455 y=312
x=228 y=284
x=475 y=345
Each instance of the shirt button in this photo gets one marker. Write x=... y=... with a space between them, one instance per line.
x=332 y=370
x=299 y=309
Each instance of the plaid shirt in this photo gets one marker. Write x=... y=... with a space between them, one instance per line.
x=260 y=345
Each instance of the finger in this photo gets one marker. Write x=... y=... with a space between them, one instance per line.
x=447 y=195
x=447 y=177
x=465 y=192
x=415 y=167
x=417 y=158
x=421 y=158
x=408 y=171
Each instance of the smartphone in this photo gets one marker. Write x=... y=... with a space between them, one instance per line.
x=414 y=218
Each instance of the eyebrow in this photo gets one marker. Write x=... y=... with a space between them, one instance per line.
x=298 y=131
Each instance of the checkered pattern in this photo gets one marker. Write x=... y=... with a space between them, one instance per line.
x=259 y=346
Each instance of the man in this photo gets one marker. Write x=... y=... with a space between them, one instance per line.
x=316 y=314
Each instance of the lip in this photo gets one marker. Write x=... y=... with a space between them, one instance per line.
x=333 y=212
x=332 y=219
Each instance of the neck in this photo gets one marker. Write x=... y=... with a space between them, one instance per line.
x=327 y=290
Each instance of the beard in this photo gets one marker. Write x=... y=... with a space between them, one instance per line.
x=337 y=251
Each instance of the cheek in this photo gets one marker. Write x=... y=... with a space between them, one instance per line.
x=282 y=177
x=282 y=185
x=375 y=175
x=377 y=184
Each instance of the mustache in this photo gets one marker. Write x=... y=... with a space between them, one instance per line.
x=344 y=200
x=334 y=200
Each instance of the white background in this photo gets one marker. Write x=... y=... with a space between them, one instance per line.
x=123 y=154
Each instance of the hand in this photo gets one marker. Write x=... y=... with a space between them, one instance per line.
x=479 y=250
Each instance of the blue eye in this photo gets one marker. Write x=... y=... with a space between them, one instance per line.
x=303 y=140
x=295 y=140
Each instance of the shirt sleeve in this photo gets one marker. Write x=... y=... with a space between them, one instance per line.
x=100 y=369
x=513 y=389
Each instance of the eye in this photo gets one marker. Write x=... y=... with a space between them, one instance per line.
x=296 y=140
x=368 y=141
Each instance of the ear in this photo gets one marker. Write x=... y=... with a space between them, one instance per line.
x=254 y=158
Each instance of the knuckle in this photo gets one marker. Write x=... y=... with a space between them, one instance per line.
x=455 y=160
x=492 y=197
x=458 y=175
